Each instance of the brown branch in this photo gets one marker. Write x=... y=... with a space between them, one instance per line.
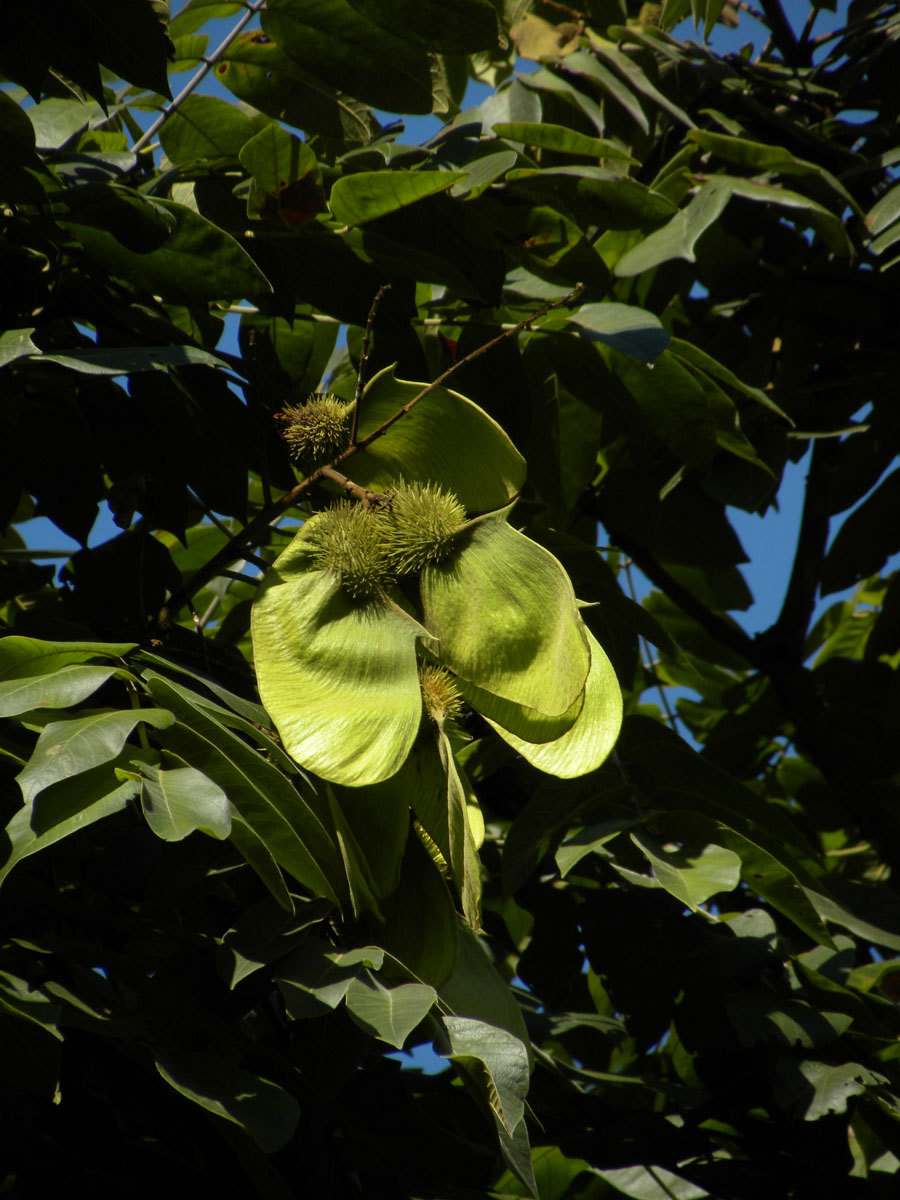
x=363 y=495
x=251 y=534
x=463 y=362
x=363 y=359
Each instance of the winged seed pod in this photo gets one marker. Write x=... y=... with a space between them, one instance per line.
x=317 y=430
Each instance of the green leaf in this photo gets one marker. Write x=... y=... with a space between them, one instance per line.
x=133 y=360
x=66 y=687
x=504 y=613
x=481 y=172
x=633 y=331
x=276 y=160
x=632 y=73
x=67 y=748
x=338 y=677
x=588 y=66
x=198 y=262
x=263 y=1109
x=692 y=876
x=561 y=139
x=277 y=812
x=421 y=927
x=356 y=199
x=338 y=44
x=589 y=741
x=505 y=1061
x=444 y=439
x=264 y=933
x=22 y=657
x=388 y=1013
x=884 y=212
x=316 y=976
x=696 y=357
x=179 y=801
x=589 y=840
x=807 y=211
x=204 y=127
x=65 y=808
x=650 y=1183
x=195 y=13
x=476 y=990
x=678 y=238
x=260 y=73
x=15 y=344
x=469 y=25
x=260 y=858
x=816 y=1088
x=57 y=121
x=764 y=157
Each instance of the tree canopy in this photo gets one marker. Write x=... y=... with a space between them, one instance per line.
x=357 y=738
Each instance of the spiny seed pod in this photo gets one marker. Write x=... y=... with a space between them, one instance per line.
x=318 y=430
x=420 y=521
x=348 y=543
x=440 y=695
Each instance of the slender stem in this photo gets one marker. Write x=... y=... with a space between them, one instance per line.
x=363 y=359
x=251 y=533
x=441 y=379
x=252 y=8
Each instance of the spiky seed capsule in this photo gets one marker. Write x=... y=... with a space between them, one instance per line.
x=440 y=695
x=318 y=430
x=420 y=521
x=348 y=543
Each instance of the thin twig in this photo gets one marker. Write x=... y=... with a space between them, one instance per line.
x=251 y=533
x=252 y=9
x=441 y=379
x=363 y=495
x=363 y=359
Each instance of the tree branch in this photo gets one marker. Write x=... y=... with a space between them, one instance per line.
x=252 y=9
x=785 y=638
x=731 y=636
x=783 y=35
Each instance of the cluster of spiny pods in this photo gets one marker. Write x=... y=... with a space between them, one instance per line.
x=383 y=613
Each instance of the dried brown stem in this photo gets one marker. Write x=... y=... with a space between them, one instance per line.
x=363 y=359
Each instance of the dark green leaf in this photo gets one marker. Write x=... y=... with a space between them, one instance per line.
x=67 y=748
x=178 y=802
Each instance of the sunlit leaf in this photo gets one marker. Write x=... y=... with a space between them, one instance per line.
x=67 y=748
x=177 y=802
x=389 y=1013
